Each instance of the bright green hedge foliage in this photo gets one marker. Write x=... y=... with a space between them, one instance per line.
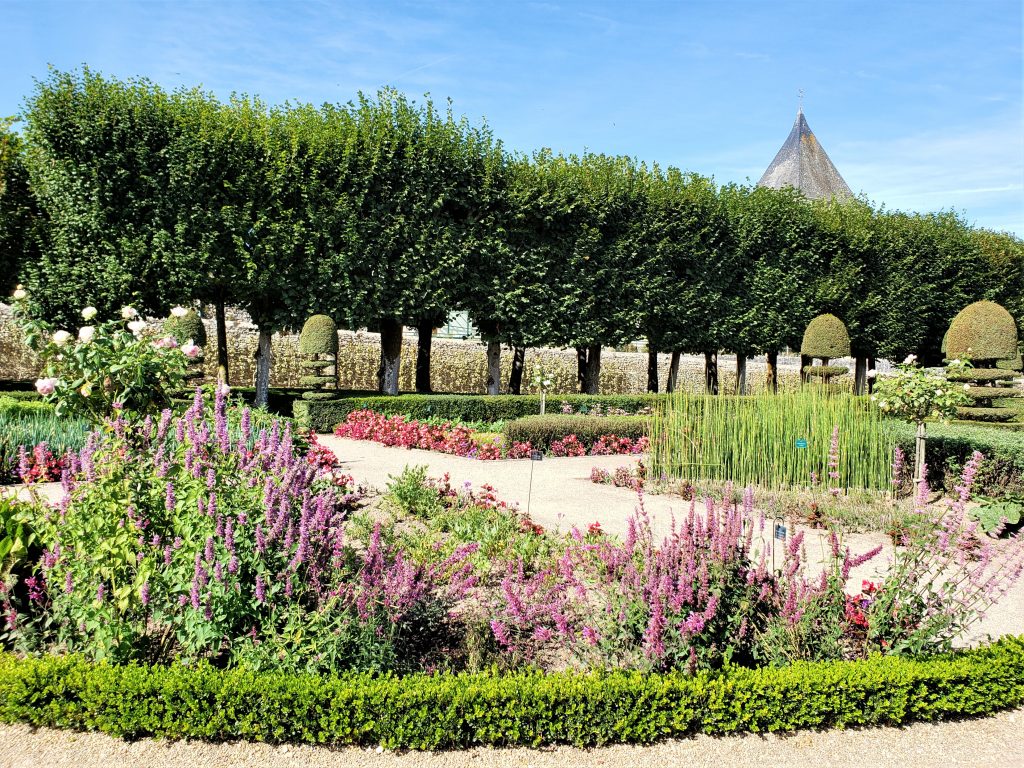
x=987 y=414
x=825 y=370
x=319 y=336
x=323 y=417
x=542 y=430
x=826 y=336
x=189 y=326
x=454 y=711
x=982 y=331
x=987 y=393
x=978 y=374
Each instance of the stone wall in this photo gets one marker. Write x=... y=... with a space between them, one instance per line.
x=457 y=366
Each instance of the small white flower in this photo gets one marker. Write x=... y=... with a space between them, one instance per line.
x=86 y=334
x=60 y=338
x=938 y=391
x=129 y=313
x=872 y=373
x=910 y=359
x=136 y=326
x=89 y=313
x=178 y=312
x=967 y=387
x=874 y=397
x=20 y=293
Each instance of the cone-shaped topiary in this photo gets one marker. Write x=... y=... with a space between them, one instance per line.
x=318 y=343
x=982 y=331
x=826 y=337
x=319 y=336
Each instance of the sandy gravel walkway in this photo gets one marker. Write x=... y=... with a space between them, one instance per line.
x=992 y=742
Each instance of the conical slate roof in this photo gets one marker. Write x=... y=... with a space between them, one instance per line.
x=803 y=164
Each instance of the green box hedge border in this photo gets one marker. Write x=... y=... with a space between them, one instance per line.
x=323 y=417
x=527 y=708
x=542 y=430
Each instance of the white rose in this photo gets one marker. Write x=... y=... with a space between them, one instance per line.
x=89 y=313
x=129 y=313
x=967 y=387
x=20 y=293
x=136 y=326
x=938 y=391
x=60 y=338
x=178 y=312
x=872 y=373
x=910 y=359
x=86 y=334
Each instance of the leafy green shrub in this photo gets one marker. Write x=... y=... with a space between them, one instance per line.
x=969 y=375
x=541 y=431
x=987 y=414
x=319 y=336
x=982 y=331
x=488 y=409
x=412 y=493
x=825 y=371
x=17 y=534
x=188 y=325
x=525 y=708
x=999 y=514
x=988 y=393
x=826 y=337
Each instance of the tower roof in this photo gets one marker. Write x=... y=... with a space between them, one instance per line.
x=802 y=163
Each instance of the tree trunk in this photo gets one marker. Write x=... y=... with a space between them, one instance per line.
x=223 y=374
x=860 y=375
x=515 y=377
x=425 y=338
x=871 y=367
x=592 y=378
x=805 y=362
x=711 y=372
x=741 y=374
x=390 y=356
x=919 y=468
x=493 y=367
x=652 y=369
x=772 y=369
x=581 y=368
x=262 y=368
x=673 y=371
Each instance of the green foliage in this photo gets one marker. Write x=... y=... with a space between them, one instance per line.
x=913 y=394
x=825 y=371
x=966 y=374
x=988 y=393
x=412 y=494
x=319 y=336
x=323 y=417
x=21 y=427
x=826 y=336
x=187 y=327
x=17 y=534
x=753 y=440
x=987 y=414
x=527 y=708
x=996 y=515
x=542 y=430
x=982 y=331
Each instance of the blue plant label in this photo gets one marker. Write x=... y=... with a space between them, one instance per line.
x=801 y=442
x=780 y=531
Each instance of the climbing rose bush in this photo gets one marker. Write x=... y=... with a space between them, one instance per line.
x=117 y=365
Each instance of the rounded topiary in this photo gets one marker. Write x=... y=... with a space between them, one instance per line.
x=188 y=326
x=319 y=336
x=826 y=337
x=318 y=343
x=983 y=330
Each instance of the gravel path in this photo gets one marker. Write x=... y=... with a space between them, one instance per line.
x=992 y=742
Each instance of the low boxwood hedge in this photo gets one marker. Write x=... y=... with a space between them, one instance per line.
x=323 y=417
x=525 y=708
x=542 y=430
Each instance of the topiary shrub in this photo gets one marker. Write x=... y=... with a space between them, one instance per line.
x=986 y=334
x=981 y=331
x=318 y=343
x=825 y=371
x=826 y=337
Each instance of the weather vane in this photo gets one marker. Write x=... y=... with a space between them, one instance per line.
x=800 y=93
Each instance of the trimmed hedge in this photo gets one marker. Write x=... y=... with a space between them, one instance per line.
x=542 y=430
x=822 y=371
x=826 y=336
x=981 y=413
x=983 y=330
x=951 y=445
x=969 y=375
x=527 y=708
x=323 y=417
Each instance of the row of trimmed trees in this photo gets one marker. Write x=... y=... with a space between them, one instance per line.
x=384 y=213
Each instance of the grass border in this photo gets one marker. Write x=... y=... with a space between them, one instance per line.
x=525 y=708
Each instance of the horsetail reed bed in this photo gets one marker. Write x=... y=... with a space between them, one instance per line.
x=772 y=441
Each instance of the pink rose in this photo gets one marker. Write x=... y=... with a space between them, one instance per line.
x=190 y=350
x=46 y=386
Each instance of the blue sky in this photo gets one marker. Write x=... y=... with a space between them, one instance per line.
x=919 y=104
